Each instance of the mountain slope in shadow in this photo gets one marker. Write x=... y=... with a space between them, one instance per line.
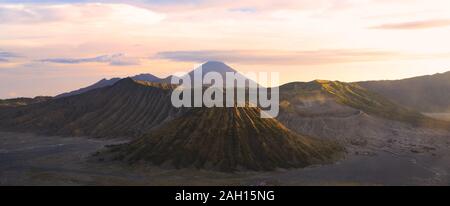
x=109 y=82
x=210 y=66
x=365 y=122
x=350 y=95
x=424 y=93
x=127 y=109
x=225 y=139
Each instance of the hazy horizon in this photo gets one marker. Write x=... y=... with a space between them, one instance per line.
x=162 y=77
x=50 y=47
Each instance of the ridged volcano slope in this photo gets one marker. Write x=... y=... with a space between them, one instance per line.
x=225 y=139
x=127 y=109
x=354 y=96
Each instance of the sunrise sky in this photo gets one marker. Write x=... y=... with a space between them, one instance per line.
x=49 y=47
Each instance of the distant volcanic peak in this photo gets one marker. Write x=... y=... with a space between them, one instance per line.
x=225 y=139
x=210 y=66
x=213 y=66
x=222 y=69
x=217 y=66
x=212 y=62
x=146 y=77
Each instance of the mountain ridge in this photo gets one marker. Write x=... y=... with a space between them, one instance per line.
x=109 y=82
x=358 y=97
x=126 y=109
x=209 y=66
x=424 y=93
x=22 y=101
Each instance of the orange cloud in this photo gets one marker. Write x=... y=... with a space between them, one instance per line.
x=416 y=24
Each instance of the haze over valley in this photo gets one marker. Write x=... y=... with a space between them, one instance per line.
x=135 y=92
x=327 y=132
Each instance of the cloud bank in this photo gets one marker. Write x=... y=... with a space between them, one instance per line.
x=426 y=24
x=314 y=57
x=6 y=56
x=118 y=59
x=76 y=13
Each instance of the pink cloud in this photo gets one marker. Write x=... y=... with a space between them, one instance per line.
x=415 y=24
